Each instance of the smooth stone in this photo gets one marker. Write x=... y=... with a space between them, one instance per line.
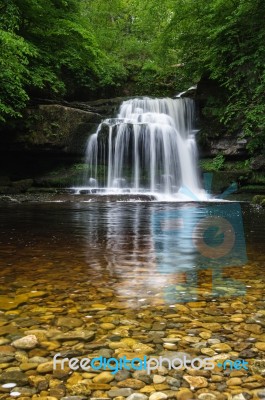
x=120 y=392
x=73 y=398
x=76 y=335
x=205 y=335
x=212 y=326
x=239 y=397
x=158 y=396
x=58 y=391
x=191 y=339
x=122 y=375
x=17 y=377
x=173 y=381
x=142 y=376
x=213 y=341
x=184 y=394
x=105 y=353
x=158 y=379
x=142 y=348
x=27 y=366
x=38 y=360
x=69 y=322
x=234 y=382
x=170 y=346
x=137 y=396
x=118 y=345
x=10 y=303
x=260 y=346
x=129 y=342
x=97 y=386
x=45 y=367
x=148 y=389
x=221 y=348
x=104 y=377
x=99 y=306
x=107 y=326
x=196 y=382
x=207 y=396
x=208 y=352
x=253 y=328
x=131 y=383
x=26 y=343
x=161 y=386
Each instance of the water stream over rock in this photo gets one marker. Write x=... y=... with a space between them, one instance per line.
x=149 y=147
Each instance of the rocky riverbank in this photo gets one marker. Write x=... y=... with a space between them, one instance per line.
x=92 y=322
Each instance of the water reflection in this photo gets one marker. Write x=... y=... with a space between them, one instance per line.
x=166 y=251
x=191 y=239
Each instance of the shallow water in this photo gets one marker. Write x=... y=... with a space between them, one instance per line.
x=95 y=260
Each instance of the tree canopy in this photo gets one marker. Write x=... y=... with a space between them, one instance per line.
x=73 y=49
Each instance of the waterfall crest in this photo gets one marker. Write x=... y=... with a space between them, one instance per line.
x=149 y=147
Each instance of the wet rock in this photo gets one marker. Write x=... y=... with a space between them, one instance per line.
x=196 y=382
x=142 y=348
x=120 y=392
x=253 y=328
x=6 y=354
x=158 y=396
x=212 y=326
x=104 y=377
x=158 y=379
x=79 y=389
x=137 y=396
x=26 y=342
x=221 y=348
x=260 y=346
x=173 y=382
x=247 y=354
x=131 y=383
x=76 y=335
x=107 y=326
x=122 y=375
x=39 y=382
x=11 y=303
x=207 y=396
x=184 y=394
x=69 y=322
x=58 y=391
x=106 y=353
x=258 y=367
x=17 y=377
x=74 y=398
x=45 y=367
x=239 y=397
x=234 y=382
x=208 y=352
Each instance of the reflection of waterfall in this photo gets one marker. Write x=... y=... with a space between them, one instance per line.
x=150 y=146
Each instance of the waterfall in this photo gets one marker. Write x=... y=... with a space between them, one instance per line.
x=149 y=147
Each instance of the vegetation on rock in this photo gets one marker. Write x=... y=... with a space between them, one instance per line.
x=82 y=49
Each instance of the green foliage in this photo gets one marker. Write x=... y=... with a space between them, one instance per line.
x=48 y=49
x=79 y=48
x=224 y=39
x=215 y=164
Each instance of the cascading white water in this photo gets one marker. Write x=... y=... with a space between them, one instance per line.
x=149 y=147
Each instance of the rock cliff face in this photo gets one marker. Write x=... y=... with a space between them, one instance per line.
x=57 y=128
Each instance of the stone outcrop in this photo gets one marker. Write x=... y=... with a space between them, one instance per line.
x=61 y=128
x=231 y=146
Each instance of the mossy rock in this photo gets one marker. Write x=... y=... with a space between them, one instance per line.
x=259 y=199
x=22 y=185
